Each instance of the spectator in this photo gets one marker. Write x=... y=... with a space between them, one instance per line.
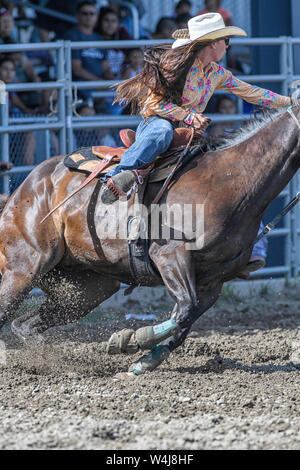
x=24 y=69
x=110 y=29
x=7 y=26
x=224 y=105
x=133 y=64
x=24 y=72
x=8 y=75
x=183 y=7
x=89 y=137
x=215 y=6
x=182 y=20
x=87 y=64
x=165 y=28
x=17 y=107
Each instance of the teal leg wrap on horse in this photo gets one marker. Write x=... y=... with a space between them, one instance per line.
x=165 y=328
x=149 y=362
x=129 y=341
x=149 y=336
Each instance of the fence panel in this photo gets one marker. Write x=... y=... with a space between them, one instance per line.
x=69 y=131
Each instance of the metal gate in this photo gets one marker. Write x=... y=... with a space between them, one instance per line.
x=64 y=123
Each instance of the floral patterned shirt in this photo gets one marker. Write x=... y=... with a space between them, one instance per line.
x=198 y=89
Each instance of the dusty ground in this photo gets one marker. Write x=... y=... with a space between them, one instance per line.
x=233 y=385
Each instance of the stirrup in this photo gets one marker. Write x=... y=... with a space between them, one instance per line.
x=117 y=192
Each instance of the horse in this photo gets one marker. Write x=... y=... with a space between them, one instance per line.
x=78 y=269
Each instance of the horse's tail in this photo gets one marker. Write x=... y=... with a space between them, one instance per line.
x=3 y=201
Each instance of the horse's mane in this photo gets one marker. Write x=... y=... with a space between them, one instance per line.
x=246 y=131
x=249 y=129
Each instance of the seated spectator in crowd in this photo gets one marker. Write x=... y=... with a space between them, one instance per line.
x=183 y=7
x=165 y=28
x=110 y=29
x=133 y=64
x=8 y=75
x=89 y=64
x=224 y=105
x=7 y=26
x=24 y=72
x=215 y=6
x=89 y=137
x=17 y=108
x=182 y=20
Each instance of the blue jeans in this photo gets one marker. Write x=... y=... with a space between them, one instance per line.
x=153 y=137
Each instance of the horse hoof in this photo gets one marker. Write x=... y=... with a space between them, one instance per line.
x=150 y=361
x=25 y=334
x=122 y=342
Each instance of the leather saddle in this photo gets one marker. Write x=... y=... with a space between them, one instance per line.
x=127 y=136
x=86 y=159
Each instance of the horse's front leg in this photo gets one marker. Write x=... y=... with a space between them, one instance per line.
x=183 y=318
x=177 y=271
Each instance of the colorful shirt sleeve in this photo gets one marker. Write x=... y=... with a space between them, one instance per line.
x=251 y=93
x=167 y=110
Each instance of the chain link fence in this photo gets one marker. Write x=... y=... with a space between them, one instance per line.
x=29 y=148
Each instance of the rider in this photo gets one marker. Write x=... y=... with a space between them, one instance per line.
x=173 y=90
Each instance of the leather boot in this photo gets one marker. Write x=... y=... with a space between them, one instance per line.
x=117 y=186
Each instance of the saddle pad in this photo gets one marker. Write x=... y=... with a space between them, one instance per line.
x=86 y=159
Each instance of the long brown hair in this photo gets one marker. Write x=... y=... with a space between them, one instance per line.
x=164 y=74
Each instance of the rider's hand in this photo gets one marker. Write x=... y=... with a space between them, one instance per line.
x=201 y=123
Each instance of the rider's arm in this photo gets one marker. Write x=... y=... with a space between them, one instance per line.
x=251 y=93
x=156 y=106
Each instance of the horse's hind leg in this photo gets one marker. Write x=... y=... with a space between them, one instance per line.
x=70 y=296
x=13 y=291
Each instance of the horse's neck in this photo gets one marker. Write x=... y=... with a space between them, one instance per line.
x=270 y=159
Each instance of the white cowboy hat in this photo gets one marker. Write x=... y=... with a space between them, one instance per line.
x=204 y=28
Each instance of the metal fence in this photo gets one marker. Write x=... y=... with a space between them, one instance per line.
x=69 y=131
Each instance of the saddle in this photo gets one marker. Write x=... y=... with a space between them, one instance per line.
x=86 y=159
x=97 y=160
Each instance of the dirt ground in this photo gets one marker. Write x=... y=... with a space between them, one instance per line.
x=233 y=385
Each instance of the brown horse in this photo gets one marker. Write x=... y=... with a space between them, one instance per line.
x=78 y=269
